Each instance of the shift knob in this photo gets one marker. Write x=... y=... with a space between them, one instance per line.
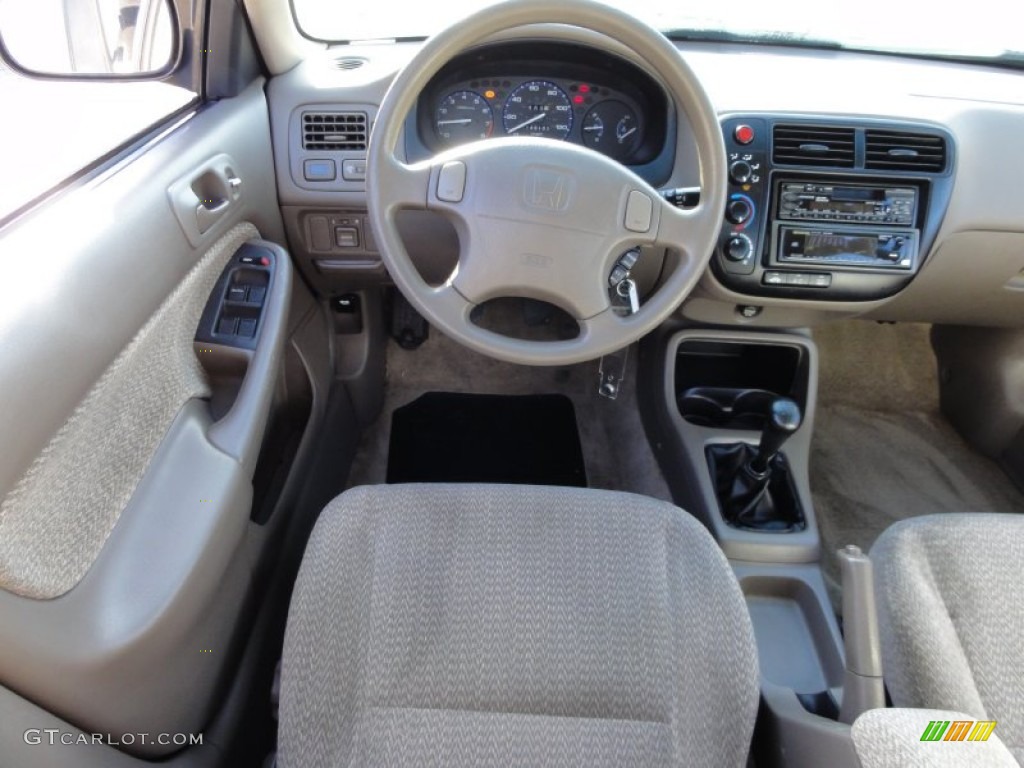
x=783 y=420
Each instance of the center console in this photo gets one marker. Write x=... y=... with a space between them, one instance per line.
x=730 y=414
x=830 y=211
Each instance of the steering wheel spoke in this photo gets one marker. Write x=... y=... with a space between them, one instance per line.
x=408 y=186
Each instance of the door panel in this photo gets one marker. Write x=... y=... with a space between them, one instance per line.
x=125 y=542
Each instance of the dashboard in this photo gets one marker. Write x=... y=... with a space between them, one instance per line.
x=873 y=185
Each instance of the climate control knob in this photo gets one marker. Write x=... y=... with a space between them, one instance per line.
x=740 y=172
x=738 y=211
x=737 y=248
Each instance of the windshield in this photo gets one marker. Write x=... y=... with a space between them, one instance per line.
x=987 y=29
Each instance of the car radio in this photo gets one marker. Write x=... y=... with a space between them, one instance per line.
x=854 y=203
x=846 y=247
x=845 y=225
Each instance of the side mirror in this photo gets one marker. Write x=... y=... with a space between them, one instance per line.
x=106 y=39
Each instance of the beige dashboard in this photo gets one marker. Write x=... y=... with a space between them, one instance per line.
x=973 y=273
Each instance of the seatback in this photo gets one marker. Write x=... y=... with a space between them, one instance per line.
x=951 y=613
x=510 y=625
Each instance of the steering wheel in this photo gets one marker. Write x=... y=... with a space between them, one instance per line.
x=541 y=218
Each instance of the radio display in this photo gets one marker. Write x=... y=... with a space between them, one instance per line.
x=890 y=249
x=847 y=200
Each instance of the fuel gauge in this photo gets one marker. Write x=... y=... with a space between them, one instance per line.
x=612 y=128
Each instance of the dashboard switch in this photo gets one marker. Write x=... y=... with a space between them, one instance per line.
x=639 y=210
x=743 y=134
x=451 y=182
x=346 y=237
x=738 y=248
x=740 y=172
x=353 y=169
x=319 y=170
x=739 y=210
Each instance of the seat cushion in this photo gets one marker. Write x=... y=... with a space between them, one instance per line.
x=495 y=625
x=951 y=615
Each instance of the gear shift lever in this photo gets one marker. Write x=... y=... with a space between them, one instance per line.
x=783 y=420
x=754 y=486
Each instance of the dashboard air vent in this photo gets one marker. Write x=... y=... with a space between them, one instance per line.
x=334 y=130
x=816 y=145
x=900 y=151
x=348 y=62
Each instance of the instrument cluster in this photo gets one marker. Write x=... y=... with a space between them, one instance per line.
x=578 y=110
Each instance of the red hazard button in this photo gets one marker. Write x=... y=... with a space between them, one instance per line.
x=744 y=134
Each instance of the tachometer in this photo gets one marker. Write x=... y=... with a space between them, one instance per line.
x=611 y=128
x=463 y=116
x=538 y=108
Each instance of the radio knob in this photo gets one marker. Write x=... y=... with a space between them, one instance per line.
x=738 y=248
x=738 y=211
x=740 y=172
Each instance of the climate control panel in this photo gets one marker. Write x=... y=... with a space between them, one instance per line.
x=746 y=146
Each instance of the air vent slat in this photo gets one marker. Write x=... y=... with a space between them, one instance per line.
x=820 y=146
x=901 y=151
x=348 y=62
x=334 y=130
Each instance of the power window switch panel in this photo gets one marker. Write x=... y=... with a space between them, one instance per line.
x=319 y=170
x=247 y=327
x=227 y=325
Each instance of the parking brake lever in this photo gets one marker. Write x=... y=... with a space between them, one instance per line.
x=862 y=683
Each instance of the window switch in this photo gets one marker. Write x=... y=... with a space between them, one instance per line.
x=227 y=326
x=256 y=294
x=236 y=293
x=247 y=327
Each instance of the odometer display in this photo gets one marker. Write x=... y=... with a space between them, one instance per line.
x=538 y=108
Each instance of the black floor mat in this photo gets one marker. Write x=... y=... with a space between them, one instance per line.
x=443 y=437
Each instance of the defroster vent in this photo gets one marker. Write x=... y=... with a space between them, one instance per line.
x=901 y=151
x=334 y=130
x=820 y=146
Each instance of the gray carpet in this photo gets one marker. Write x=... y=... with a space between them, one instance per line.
x=881 y=450
x=615 y=449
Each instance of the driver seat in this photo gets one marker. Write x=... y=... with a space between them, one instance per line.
x=477 y=625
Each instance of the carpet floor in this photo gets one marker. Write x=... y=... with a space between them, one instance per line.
x=616 y=454
x=881 y=450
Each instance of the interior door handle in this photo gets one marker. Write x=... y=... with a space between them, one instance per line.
x=207 y=215
x=203 y=197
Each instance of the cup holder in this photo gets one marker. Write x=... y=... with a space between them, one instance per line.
x=725 y=407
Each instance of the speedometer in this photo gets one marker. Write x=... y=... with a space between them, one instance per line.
x=538 y=108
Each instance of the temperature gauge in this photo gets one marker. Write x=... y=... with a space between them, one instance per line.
x=612 y=128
